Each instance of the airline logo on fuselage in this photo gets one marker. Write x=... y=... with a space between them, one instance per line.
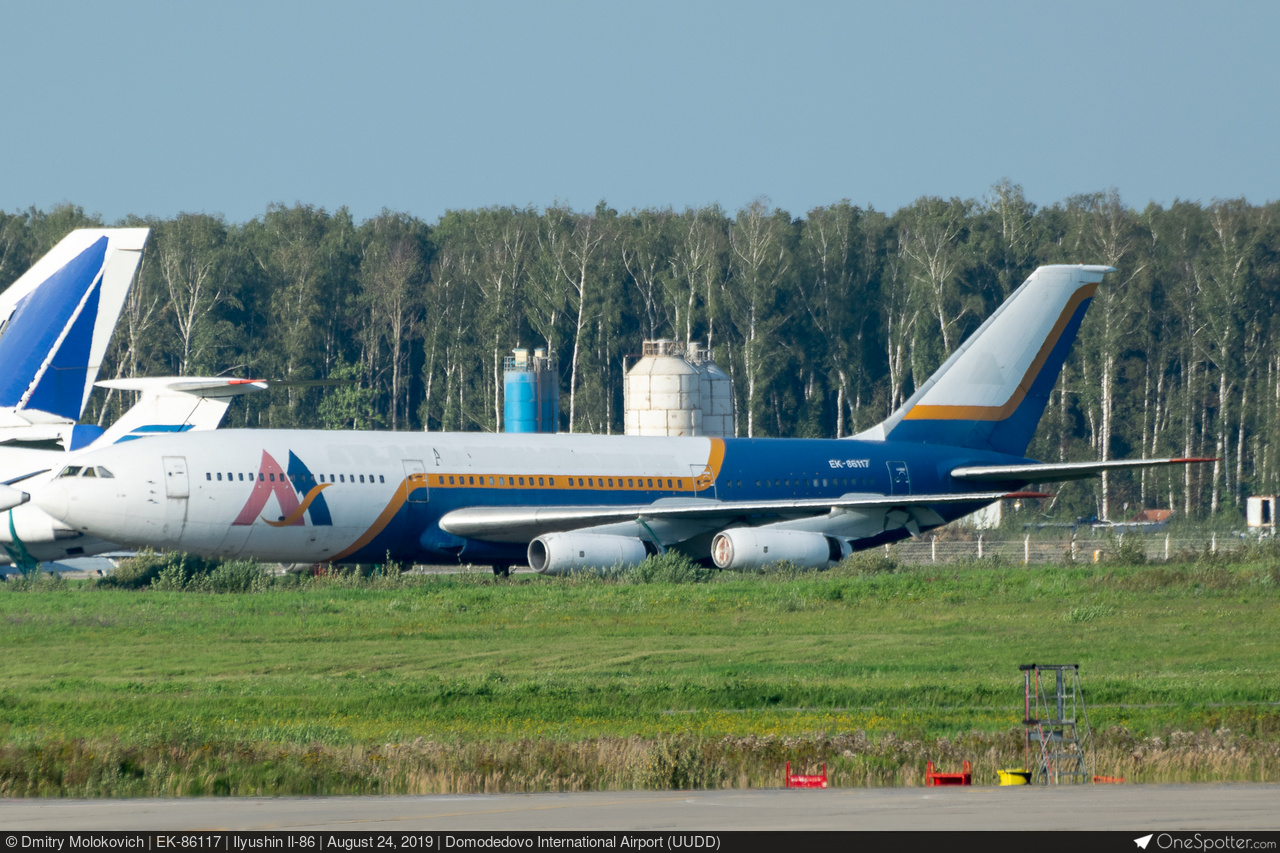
x=272 y=481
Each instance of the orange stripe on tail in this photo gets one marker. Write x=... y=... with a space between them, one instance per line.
x=999 y=413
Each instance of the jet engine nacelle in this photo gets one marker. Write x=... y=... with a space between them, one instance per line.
x=563 y=553
x=752 y=548
x=33 y=527
x=11 y=497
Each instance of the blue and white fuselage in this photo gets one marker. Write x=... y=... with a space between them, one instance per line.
x=566 y=502
x=299 y=496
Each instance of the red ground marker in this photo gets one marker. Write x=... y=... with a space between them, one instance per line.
x=799 y=780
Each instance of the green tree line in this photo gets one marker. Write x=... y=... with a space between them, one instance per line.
x=826 y=322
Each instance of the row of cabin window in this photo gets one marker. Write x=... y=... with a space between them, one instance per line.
x=816 y=482
x=341 y=478
x=588 y=482
x=599 y=482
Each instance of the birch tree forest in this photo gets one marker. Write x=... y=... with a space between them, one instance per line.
x=826 y=321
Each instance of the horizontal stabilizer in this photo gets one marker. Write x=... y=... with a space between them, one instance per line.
x=174 y=404
x=196 y=386
x=519 y=523
x=1046 y=472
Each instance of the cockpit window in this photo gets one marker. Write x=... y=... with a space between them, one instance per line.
x=89 y=472
x=70 y=471
x=103 y=472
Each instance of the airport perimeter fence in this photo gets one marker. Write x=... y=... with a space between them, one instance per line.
x=1031 y=550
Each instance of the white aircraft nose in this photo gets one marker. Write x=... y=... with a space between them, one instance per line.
x=53 y=499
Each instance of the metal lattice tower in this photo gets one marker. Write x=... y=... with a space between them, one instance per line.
x=1059 y=741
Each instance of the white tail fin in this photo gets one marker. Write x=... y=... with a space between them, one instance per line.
x=991 y=392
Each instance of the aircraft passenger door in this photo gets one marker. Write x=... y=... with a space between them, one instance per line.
x=899 y=478
x=176 y=484
x=416 y=481
x=704 y=481
x=177 y=488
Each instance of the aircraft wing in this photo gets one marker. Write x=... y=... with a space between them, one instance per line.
x=521 y=523
x=1055 y=472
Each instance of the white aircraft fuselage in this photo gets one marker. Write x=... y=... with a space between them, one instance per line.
x=357 y=497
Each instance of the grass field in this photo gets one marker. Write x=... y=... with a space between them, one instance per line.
x=464 y=683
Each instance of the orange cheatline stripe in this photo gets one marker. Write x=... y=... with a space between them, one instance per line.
x=999 y=413
x=563 y=482
x=713 y=463
x=384 y=518
x=292 y=518
x=716 y=458
x=712 y=471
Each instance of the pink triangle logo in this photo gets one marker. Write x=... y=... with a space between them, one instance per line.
x=271 y=481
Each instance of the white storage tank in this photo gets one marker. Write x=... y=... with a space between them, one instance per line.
x=662 y=392
x=676 y=391
x=715 y=393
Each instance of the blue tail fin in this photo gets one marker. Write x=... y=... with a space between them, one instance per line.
x=992 y=391
x=57 y=319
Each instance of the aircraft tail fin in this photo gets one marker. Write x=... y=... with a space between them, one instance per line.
x=992 y=391
x=57 y=319
x=173 y=404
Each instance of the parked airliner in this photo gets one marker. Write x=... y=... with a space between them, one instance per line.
x=561 y=503
x=166 y=405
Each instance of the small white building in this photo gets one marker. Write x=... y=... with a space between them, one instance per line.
x=987 y=518
x=1260 y=513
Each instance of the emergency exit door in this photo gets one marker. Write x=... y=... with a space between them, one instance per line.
x=899 y=478
x=416 y=481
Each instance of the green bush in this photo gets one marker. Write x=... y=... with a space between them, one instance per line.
x=135 y=573
x=671 y=567
x=1130 y=552
x=238 y=576
x=863 y=563
x=186 y=573
x=36 y=582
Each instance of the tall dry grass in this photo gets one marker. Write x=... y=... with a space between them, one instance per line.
x=109 y=768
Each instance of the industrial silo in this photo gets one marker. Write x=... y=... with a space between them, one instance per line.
x=715 y=393
x=546 y=368
x=662 y=392
x=531 y=399
x=520 y=394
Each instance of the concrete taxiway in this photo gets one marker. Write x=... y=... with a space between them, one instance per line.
x=1097 y=807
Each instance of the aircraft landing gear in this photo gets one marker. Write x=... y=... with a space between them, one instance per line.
x=501 y=570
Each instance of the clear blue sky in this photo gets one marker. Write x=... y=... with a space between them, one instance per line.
x=223 y=107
